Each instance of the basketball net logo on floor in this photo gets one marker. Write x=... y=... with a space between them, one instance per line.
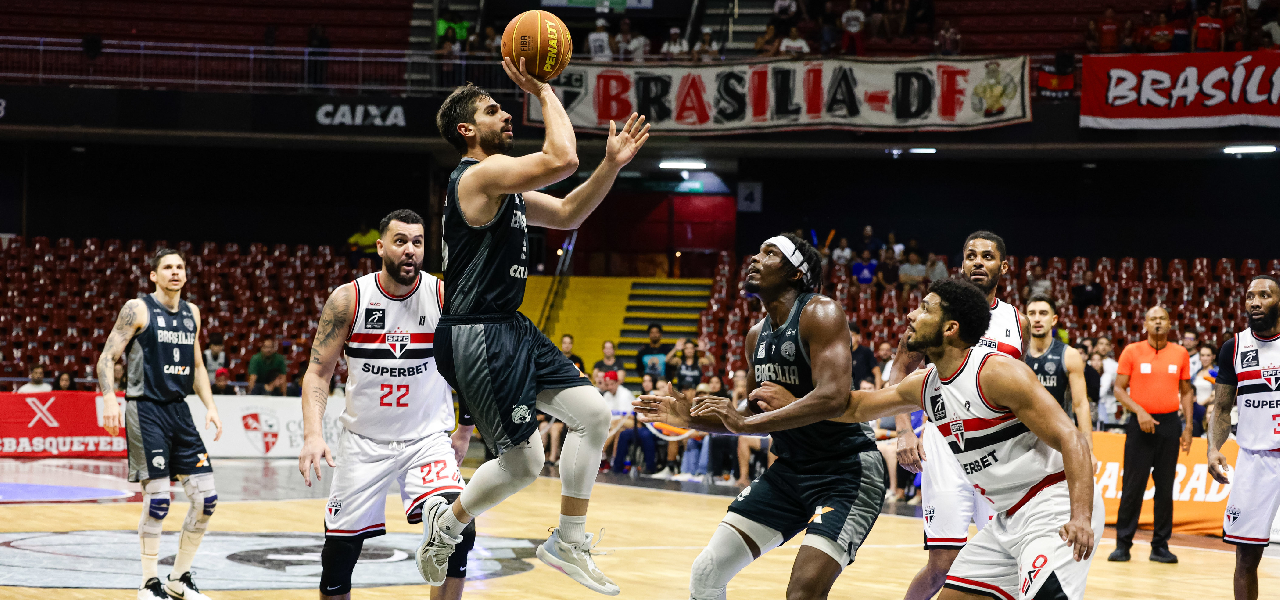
x=235 y=561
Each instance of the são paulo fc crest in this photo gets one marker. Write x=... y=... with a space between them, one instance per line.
x=262 y=427
x=334 y=507
x=957 y=432
x=929 y=513
x=398 y=341
x=1271 y=376
x=1232 y=514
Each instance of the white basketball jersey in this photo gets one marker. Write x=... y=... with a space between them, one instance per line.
x=394 y=390
x=1001 y=457
x=1004 y=334
x=1257 y=364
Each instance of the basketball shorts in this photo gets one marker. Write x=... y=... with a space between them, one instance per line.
x=499 y=364
x=837 y=500
x=1251 y=508
x=163 y=441
x=357 y=496
x=948 y=500
x=1021 y=555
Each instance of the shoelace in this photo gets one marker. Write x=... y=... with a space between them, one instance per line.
x=587 y=547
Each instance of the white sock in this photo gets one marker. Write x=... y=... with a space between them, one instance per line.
x=450 y=525
x=573 y=530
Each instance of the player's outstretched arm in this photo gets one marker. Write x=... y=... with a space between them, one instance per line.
x=326 y=347
x=910 y=448
x=1011 y=383
x=863 y=406
x=200 y=382
x=133 y=317
x=570 y=212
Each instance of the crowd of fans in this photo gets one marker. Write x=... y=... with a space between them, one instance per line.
x=1186 y=26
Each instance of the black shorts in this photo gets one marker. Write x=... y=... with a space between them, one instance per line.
x=163 y=441
x=499 y=364
x=838 y=500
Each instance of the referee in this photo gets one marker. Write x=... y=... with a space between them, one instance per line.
x=1153 y=378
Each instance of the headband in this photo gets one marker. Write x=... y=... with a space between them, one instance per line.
x=789 y=250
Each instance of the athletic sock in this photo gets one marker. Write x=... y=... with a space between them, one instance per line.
x=150 y=558
x=573 y=529
x=187 y=546
x=450 y=525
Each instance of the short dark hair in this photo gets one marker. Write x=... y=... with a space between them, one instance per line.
x=855 y=328
x=653 y=326
x=983 y=234
x=403 y=215
x=1053 y=306
x=34 y=367
x=163 y=252
x=215 y=338
x=459 y=107
x=610 y=342
x=811 y=257
x=567 y=335
x=965 y=304
x=1270 y=278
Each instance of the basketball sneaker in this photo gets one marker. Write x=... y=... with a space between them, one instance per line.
x=183 y=588
x=575 y=561
x=433 y=555
x=152 y=590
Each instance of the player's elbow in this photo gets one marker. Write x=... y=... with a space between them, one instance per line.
x=563 y=164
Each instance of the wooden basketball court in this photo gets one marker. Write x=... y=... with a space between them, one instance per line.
x=651 y=538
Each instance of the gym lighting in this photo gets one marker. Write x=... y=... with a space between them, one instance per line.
x=923 y=150
x=682 y=164
x=1248 y=149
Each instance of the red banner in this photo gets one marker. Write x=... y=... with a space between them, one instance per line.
x=66 y=424
x=1181 y=91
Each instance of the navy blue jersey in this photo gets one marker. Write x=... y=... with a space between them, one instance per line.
x=162 y=357
x=485 y=266
x=1051 y=369
x=782 y=357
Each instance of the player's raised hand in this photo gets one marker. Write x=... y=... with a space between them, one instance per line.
x=211 y=418
x=771 y=396
x=521 y=77
x=624 y=145
x=720 y=408
x=313 y=451
x=910 y=451
x=1218 y=466
x=1078 y=533
x=663 y=406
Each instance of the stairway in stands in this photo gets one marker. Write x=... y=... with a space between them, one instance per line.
x=674 y=303
x=739 y=23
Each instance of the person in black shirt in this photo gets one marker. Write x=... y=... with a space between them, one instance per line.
x=652 y=359
x=1086 y=294
x=864 y=360
x=609 y=363
x=688 y=370
x=566 y=348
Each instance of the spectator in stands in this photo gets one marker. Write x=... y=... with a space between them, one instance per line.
x=1161 y=38
x=609 y=363
x=1091 y=43
x=35 y=382
x=830 y=24
x=214 y=356
x=793 y=45
x=267 y=370
x=64 y=382
x=640 y=47
x=707 y=49
x=1037 y=284
x=1109 y=32
x=864 y=271
x=566 y=348
x=1236 y=37
x=842 y=255
x=1086 y=294
x=935 y=269
x=948 y=42
x=490 y=46
x=911 y=274
x=1128 y=38
x=1181 y=17
x=767 y=42
x=452 y=20
x=622 y=41
x=676 y=47
x=684 y=358
x=117 y=373
x=652 y=359
x=449 y=50
x=1093 y=380
x=887 y=274
x=870 y=242
x=619 y=400
x=750 y=446
x=1191 y=341
x=784 y=13
x=1233 y=12
x=222 y=383
x=1142 y=36
x=598 y=45
x=896 y=18
x=891 y=245
x=852 y=22
x=1207 y=35
x=317 y=56
x=1204 y=373
x=1109 y=411
x=865 y=365
x=884 y=354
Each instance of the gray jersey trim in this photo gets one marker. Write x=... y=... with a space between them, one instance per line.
x=866 y=509
x=471 y=364
x=136 y=451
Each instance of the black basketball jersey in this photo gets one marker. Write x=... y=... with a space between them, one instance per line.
x=162 y=357
x=782 y=357
x=1052 y=371
x=485 y=266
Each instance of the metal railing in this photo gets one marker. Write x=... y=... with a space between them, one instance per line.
x=214 y=67
x=563 y=271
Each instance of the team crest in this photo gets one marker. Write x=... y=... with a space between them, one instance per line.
x=158 y=462
x=334 y=507
x=189 y=323
x=957 y=432
x=987 y=343
x=1249 y=358
x=398 y=342
x=1232 y=514
x=1050 y=368
x=929 y=513
x=788 y=351
x=521 y=414
x=262 y=428
x=1271 y=376
x=375 y=318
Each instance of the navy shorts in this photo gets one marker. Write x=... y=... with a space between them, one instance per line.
x=163 y=441
x=499 y=364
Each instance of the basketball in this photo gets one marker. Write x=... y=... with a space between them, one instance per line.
x=542 y=40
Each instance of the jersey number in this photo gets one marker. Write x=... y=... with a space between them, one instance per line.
x=388 y=390
x=176 y=356
x=440 y=473
x=1276 y=418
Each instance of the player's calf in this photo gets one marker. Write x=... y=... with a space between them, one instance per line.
x=155 y=507
x=204 y=499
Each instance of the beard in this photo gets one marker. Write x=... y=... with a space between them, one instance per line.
x=1041 y=335
x=920 y=343
x=493 y=142
x=393 y=268
x=988 y=285
x=751 y=287
x=1267 y=321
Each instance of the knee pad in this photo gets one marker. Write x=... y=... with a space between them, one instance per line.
x=155 y=507
x=204 y=499
x=337 y=561
x=725 y=555
x=458 y=560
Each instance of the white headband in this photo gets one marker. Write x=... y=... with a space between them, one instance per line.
x=789 y=250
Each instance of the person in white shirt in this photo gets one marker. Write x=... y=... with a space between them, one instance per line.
x=843 y=254
x=598 y=45
x=937 y=270
x=623 y=426
x=853 y=20
x=707 y=49
x=37 y=383
x=676 y=47
x=639 y=47
x=794 y=44
x=622 y=41
x=1107 y=405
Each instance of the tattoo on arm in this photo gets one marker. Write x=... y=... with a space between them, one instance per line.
x=333 y=326
x=126 y=325
x=1224 y=396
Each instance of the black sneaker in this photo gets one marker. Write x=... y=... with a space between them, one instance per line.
x=1163 y=555
x=152 y=590
x=183 y=588
x=1120 y=555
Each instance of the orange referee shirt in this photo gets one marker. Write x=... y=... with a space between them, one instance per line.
x=1154 y=376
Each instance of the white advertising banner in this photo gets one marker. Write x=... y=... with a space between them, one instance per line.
x=262 y=426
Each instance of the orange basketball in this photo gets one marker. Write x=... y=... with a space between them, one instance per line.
x=542 y=40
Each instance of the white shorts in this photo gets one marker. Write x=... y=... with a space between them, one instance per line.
x=948 y=500
x=1251 y=509
x=1015 y=557
x=357 y=494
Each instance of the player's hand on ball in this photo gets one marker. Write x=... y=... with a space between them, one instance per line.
x=662 y=408
x=521 y=77
x=910 y=451
x=313 y=451
x=1078 y=533
x=111 y=414
x=1218 y=467
x=723 y=409
x=211 y=418
x=624 y=145
x=771 y=396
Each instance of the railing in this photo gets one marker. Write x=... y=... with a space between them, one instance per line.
x=563 y=271
x=243 y=68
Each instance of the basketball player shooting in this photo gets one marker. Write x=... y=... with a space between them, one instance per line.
x=501 y=365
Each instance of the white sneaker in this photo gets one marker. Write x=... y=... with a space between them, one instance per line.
x=575 y=561
x=685 y=477
x=433 y=555
x=152 y=590
x=183 y=588
x=665 y=473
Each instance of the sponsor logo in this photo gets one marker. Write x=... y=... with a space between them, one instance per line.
x=42 y=413
x=334 y=507
x=521 y=414
x=1271 y=376
x=519 y=272
x=818 y=512
x=788 y=351
x=1037 y=564
x=62 y=443
x=204 y=459
x=398 y=342
x=939 y=408
x=1232 y=515
x=177 y=370
x=375 y=318
x=262 y=428
x=929 y=513
x=518 y=220
x=158 y=462
x=746 y=491
x=1249 y=358
x=160 y=321
x=361 y=115
x=760 y=351
x=375 y=304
